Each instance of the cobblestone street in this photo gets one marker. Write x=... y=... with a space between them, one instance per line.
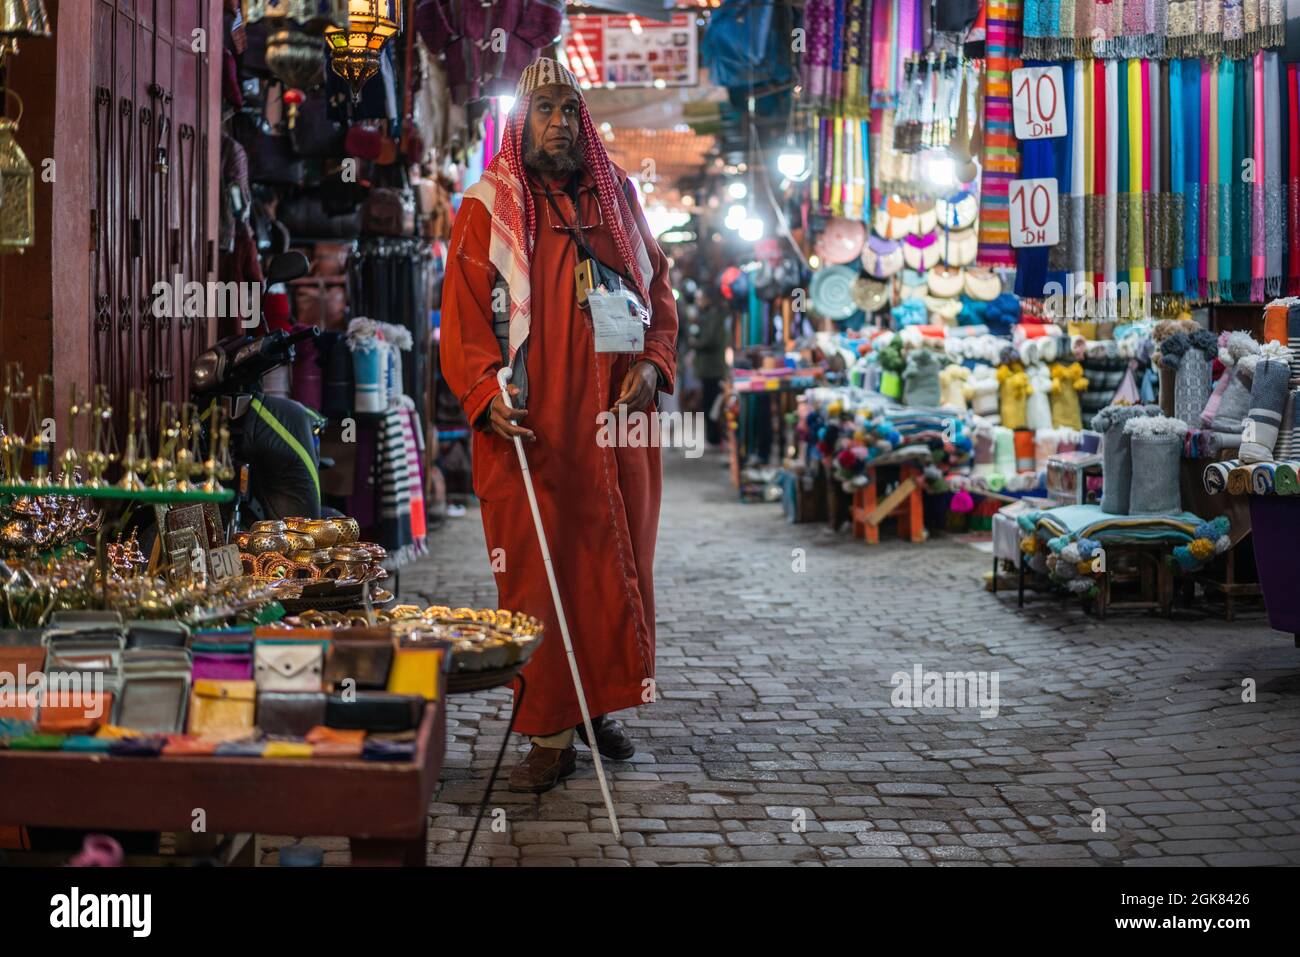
x=774 y=709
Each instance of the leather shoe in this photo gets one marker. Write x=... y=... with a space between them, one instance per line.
x=611 y=738
x=542 y=769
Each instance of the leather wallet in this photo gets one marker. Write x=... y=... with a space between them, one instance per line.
x=417 y=671
x=222 y=665
x=155 y=689
x=14 y=727
x=364 y=655
x=87 y=652
x=22 y=662
x=73 y=712
x=240 y=749
x=222 y=709
x=188 y=745
x=375 y=711
x=377 y=749
x=87 y=743
x=289 y=665
x=37 y=742
x=290 y=713
x=145 y=747
x=335 y=742
x=86 y=619
x=157 y=634
x=287 y=749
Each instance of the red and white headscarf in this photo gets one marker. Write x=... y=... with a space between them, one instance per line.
x=504 y=191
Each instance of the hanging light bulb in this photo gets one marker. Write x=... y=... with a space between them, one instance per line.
x=736 y=214
x=751 y=229
x=20 y=19
x=792 y=163
x=17 y=187
x=736 y=189
x=354 y=51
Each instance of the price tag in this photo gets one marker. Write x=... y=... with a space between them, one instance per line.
x=198 y=567
x=1038 y=102
x=224 y=562
x=1035 y=213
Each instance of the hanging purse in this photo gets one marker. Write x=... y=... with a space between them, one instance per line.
x=960 y=247
x=957 y=211
x=896 y=219
x=982 y=284
x=307 y=219
x=944 y=281
x=921 y=252
x=882 y=258
x=388 y=212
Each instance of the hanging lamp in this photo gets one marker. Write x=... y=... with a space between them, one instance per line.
x=354 y=51
x=21 y=19
x=17 y=187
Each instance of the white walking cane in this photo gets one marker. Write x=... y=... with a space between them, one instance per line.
x=502 y=378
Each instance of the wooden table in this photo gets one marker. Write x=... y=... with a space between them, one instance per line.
x=382 y=807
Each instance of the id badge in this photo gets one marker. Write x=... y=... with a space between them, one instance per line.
x=618 y=321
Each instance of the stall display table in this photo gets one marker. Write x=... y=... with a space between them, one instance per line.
x=380 y=806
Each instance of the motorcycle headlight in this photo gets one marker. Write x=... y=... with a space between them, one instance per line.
x=205 y=375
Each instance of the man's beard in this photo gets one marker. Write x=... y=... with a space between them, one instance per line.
x=539 y=160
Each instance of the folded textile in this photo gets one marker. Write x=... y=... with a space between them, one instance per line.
x=1261 y=478
x=1285 y=481
x=1287 y=446
x=1215 y=477
x=1268 y=395
x=1239 y=480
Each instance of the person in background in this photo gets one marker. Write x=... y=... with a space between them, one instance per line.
x=709 y=337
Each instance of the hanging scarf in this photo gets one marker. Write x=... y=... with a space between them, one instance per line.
x=1293 y=178
x=1275 y=235
x=1193 y=136
x=1037 y=160
x=1239 y=250
x=1113 y=128
x=1257 y=223
x=1177 y=202
x=1001 y=161
x=504 y=192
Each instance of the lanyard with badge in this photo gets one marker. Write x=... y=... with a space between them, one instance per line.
x=619 y=318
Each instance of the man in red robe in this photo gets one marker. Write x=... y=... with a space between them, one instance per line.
x=509 y=296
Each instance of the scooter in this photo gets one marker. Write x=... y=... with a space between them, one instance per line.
x=272 y=439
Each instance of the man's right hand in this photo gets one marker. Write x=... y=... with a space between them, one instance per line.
x=502 y=419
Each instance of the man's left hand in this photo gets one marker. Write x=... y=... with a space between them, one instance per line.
x=639 y=387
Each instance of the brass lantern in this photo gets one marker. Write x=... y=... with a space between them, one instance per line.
x=354 y=51
x=297 y=59
x=20 y=19
x=17 y=187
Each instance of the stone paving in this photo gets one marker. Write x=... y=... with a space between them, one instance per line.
x=774 y=741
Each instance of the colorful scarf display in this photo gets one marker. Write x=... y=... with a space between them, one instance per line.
x=1001 y=160
x=1182 y=180
x=1127 y=29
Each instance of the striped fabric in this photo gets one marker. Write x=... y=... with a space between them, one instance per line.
x=395 y=517
x=1288 y=442
x=1001 y=160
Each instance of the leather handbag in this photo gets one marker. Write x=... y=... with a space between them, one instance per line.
x=417 y=671
x=290 y=713
x=271 y=157
x=288 y=665
x=188 y=746
x=374 y=711
x=307 y=218
x=321 y=301
x=314 y=133
x=363 y=655
x=287 y=749
x=222 y=709
x=155 y=690
x=388 y=212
